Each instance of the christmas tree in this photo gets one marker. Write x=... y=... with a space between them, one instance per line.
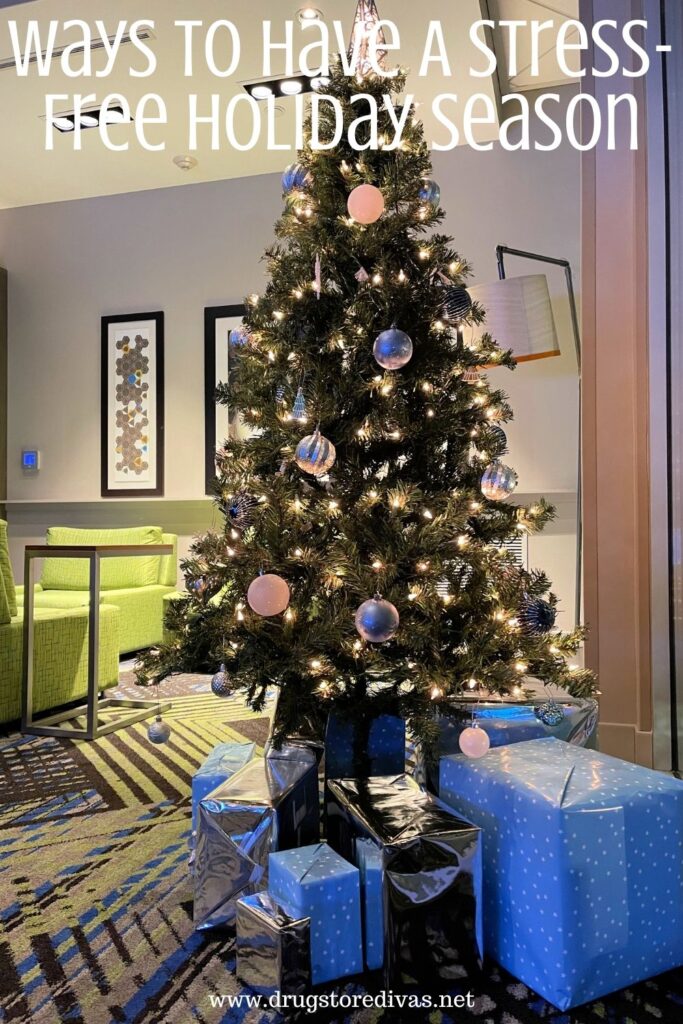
x=362 y=565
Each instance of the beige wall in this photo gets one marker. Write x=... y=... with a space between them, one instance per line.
x=179 y=250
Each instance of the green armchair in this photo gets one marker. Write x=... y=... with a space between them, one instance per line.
x=61 y=649
x=136 y=586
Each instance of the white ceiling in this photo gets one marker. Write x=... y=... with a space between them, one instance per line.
x=30 y=175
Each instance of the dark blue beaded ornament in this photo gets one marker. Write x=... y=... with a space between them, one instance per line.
x=220 y=684
x=241 y=510
x=457 y=304
x=537 y=617
x=551 y=714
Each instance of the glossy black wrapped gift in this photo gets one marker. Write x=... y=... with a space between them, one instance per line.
x=431 y=874
x=270 y=804
x=273 y=947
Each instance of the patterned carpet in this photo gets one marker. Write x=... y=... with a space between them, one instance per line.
x=95 y=902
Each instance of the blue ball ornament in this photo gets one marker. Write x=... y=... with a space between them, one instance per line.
x=430 y=193
x=377 y=621
x=393 y=349
x=159 y=732
x=295 y=179
x=551 y=714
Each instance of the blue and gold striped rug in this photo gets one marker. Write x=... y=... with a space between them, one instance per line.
x=96 y=905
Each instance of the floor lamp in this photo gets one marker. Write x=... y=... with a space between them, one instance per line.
x=520 y=317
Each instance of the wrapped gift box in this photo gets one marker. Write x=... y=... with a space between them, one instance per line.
x=270 y=804
x=583 y=865
x=507 y=722
x=319 y=884
x=368 y=857
x=384 y=752
x=222 y=763
x=429 y=865
x=273 y=947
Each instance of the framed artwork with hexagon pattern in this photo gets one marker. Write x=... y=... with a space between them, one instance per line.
x=223 y=339
x=133 y=405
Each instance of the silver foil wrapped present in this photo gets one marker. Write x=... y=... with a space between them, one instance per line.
x=273 y=947
x=268 y=805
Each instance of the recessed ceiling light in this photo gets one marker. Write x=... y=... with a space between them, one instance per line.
x=320 y=83
x=262 y=92
x=185 y=163
x=309 y=14
x=291 y=87
x=113 y=116
x=64 y=124
x=88 y=120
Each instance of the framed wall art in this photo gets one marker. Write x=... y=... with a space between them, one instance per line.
x=133 y=405
x=220 y=422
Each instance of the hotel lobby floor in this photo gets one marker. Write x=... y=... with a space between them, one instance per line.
x=95 y=900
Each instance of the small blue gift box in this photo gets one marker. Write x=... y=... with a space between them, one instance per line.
x=222 y=763
x=583 y=865
x=319 y=884
x=385 y=750
x=369 y=861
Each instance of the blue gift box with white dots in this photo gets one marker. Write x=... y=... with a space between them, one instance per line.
x=370 y=864
x=317 y=883
x=222 y=763
x=583 y=865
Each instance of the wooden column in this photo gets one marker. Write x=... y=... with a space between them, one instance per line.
x=616 y=416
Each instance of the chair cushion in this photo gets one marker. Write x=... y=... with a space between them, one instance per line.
x=168 y=572
x=5 y=616
x=115 y=573
x=6 y=569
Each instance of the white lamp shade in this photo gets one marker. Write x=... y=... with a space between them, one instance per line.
x=519 y=316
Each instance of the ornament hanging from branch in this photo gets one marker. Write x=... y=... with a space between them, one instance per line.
x=365 y=22
x=299 y=410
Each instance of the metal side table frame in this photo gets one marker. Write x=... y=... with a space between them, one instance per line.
x=51 y=725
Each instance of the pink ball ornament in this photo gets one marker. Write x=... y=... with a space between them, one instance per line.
x=268 y=595
x=366 y=204
x=474 y=742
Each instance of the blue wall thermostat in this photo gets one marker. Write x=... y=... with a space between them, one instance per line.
x=30 y=460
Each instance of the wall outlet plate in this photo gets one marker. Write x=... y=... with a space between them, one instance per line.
x=30 y=460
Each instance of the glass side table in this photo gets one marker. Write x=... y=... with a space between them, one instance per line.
x=126 y=711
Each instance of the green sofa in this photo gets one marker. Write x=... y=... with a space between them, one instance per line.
x=61 y=649
x=136 y=586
